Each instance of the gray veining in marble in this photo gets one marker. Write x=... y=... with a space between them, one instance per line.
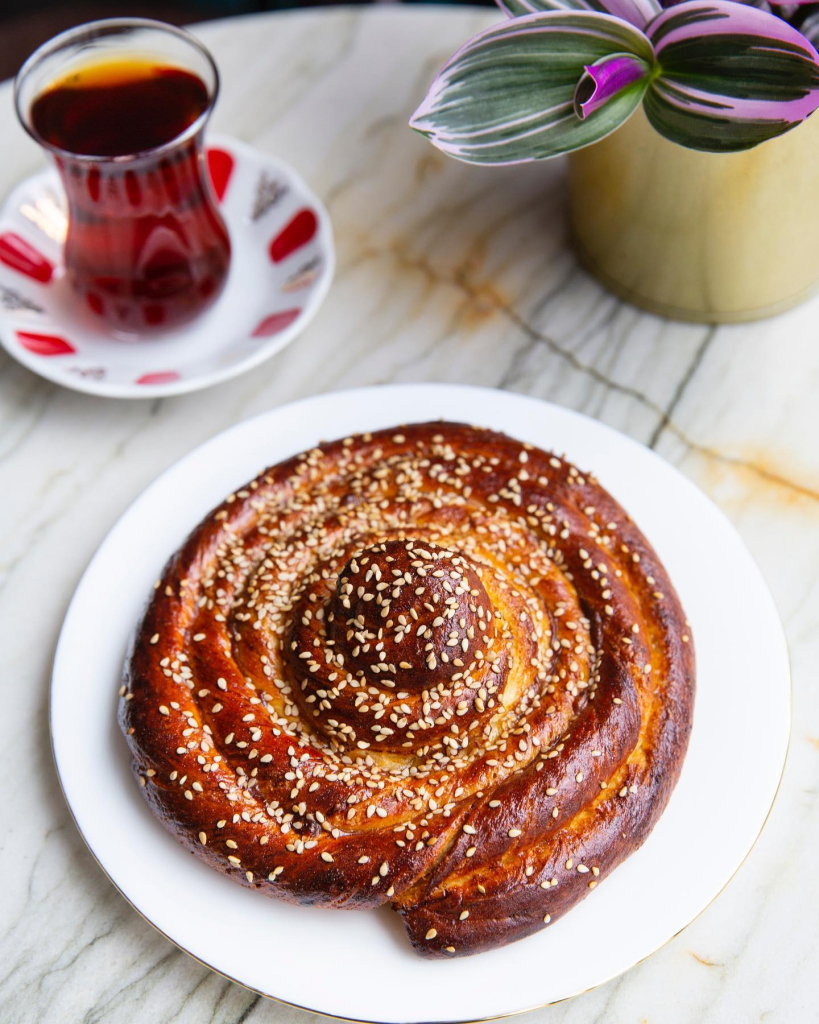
x=445 y=273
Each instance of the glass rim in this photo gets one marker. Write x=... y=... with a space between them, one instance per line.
x=93 y=30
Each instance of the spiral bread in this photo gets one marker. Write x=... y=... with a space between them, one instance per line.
x=430 y=666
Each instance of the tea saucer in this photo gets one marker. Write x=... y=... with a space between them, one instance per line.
x=281 y=267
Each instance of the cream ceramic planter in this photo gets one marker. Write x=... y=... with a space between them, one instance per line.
x=715 y=237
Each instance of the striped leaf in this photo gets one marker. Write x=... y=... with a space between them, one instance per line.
x=636 y=12
x=508 y=95
x=729 y=76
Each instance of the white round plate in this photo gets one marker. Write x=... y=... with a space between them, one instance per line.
x=271 y=294
x=360 y=965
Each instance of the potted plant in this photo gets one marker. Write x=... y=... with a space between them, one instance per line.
x=694 y=167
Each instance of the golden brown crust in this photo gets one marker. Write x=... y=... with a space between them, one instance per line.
x=430 y=666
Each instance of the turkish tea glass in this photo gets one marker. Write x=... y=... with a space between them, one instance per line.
x=146 y=248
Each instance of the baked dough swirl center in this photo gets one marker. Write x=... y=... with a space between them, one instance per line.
x=397 y=650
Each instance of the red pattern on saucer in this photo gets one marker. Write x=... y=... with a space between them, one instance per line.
x=21 y=255
x=45 y=344
x=276 y=322
x=161 y=377
x=220 y=166
x=298 y=233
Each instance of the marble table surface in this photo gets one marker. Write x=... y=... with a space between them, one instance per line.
x=445 y=273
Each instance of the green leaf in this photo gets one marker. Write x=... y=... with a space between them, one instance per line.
x=508 y=95
x=638 y=12
x=728 y=76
